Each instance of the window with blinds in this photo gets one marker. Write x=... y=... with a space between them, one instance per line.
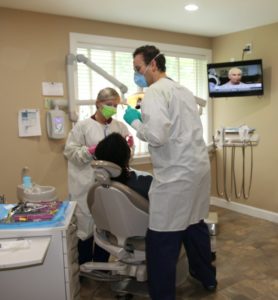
x=188 y=70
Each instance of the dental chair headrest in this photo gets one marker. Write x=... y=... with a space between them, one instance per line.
x=105 y=170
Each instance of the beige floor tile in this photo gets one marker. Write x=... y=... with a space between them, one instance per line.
x=247 y=263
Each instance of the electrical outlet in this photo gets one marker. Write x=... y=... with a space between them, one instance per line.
x=248 y=48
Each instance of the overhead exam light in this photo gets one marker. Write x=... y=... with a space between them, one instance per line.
x=134 y=100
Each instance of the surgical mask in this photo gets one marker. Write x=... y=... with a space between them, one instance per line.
x=108 y=111
x=140 y=80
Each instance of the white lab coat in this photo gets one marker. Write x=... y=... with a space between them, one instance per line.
x=84 y=134
x=179 y=194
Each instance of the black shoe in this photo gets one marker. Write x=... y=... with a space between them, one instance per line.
x=208 y=287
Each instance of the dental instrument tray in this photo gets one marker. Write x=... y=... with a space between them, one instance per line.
x=28 y=214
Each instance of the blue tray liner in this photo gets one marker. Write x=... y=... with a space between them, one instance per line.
x=57 y=220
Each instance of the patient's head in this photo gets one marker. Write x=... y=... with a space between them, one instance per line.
x=114 y=148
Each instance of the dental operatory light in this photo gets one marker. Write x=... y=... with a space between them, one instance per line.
x=134 y=100
x=191 y=7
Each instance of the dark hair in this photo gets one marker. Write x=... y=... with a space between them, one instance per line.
x=149 y=53
x=114 y=148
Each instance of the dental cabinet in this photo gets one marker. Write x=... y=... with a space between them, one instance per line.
x=40 y=263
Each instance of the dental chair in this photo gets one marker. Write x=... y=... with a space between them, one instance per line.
x=121 y=221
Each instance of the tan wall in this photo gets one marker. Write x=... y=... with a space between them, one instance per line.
x=257 y=112
x=32 y=50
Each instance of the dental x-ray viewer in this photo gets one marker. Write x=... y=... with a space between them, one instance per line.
x=180 y=191
x=79 y=151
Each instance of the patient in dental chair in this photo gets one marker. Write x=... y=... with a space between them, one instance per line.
x=121 y=217
x=114 y=148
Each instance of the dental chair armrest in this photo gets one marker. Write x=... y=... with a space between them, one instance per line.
x=118 y=252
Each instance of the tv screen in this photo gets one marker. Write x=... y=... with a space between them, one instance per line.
x=237 y=78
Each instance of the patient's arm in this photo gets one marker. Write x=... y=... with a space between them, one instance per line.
x=140 y=182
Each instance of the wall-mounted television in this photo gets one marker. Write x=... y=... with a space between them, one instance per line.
x=234 y=79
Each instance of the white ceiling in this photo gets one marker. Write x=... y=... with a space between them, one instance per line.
x=214 y=18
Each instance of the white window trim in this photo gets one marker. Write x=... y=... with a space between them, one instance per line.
x=82 y=40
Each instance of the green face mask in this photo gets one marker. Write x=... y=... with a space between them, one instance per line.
x=108 y=111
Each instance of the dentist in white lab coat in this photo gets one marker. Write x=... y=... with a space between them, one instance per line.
x=79 y=151
x=180 y=192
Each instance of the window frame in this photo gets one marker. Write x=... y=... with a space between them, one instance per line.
x=79 y=40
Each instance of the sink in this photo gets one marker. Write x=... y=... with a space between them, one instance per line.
x=37 y=193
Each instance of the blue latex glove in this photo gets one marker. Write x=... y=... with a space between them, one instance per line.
x=131 y=115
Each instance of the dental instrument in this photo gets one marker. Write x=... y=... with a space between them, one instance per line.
x=241 y=138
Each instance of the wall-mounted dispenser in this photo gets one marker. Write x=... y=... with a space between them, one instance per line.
x=56 y=123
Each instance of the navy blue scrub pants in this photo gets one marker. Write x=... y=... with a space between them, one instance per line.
x=162 y=253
